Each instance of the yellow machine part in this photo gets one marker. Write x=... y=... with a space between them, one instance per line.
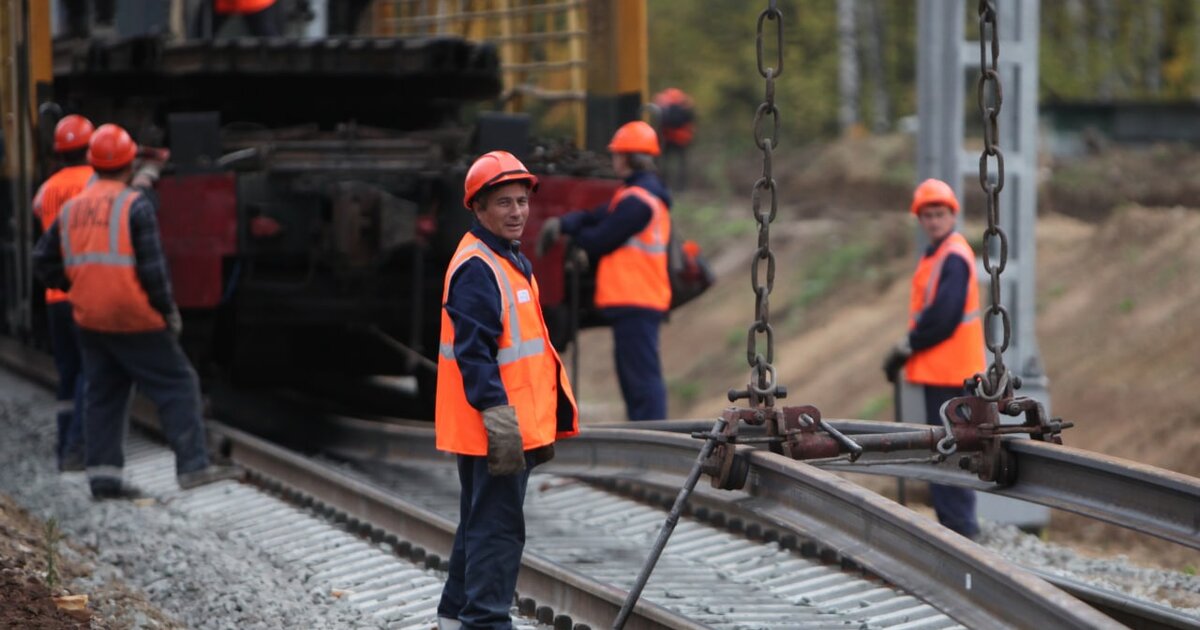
x=579 y=58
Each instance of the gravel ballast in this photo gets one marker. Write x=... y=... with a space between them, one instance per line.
x=200 y=577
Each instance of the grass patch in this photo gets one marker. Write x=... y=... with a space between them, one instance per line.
x=823 y=275
x=707 y=223
x=875 y=406
x=1126 y=306
x=685 y=391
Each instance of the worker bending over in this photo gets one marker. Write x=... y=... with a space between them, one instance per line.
x=944 y=345
x=71 y=137
x=502 y=393
x=104 y=250
x=629 y=237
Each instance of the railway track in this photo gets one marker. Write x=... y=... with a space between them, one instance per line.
x=797 y=547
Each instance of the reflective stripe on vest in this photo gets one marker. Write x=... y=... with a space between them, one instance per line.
x=530 y=369
x=635 y=274
x=948 y=363
x=99 y=260
x=50 y=199
x=521 y=348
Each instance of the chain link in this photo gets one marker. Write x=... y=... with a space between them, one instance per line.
x=991 y=97
x=762 y=375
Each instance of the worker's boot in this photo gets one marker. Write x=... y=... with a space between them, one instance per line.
x=119 y=490
x=208 y=475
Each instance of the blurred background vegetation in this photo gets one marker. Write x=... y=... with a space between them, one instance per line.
x=1091 y=51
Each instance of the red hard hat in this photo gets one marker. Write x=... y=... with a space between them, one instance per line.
x=496 y=167
x=634 y=137
x=111 y=148
x=72 y=133
x=934 y=192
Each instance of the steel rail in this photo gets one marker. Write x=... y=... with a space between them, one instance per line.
x=585 y=600
x=1129 y=494
x=969 y=583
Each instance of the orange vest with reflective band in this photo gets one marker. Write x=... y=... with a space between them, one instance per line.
x=49 y=200
x=529 y=366
x=635 y=274
x=242 y=7
x=959 y=357
x=99 y=259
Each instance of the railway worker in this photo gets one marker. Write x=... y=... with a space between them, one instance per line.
x=104 y=250
x=944 y=344
x=71 y=136
x=260 y=16
x=629 y=236
x=678 y=120
x=502 y=394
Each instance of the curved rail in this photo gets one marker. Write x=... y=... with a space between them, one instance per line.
x=1136 y=496
x=587 y=601
x=969 y=583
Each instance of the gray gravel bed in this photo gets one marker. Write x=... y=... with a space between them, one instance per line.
x=1167 y=588
x=202 y=577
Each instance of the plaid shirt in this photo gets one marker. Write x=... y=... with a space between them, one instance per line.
x=152 y=271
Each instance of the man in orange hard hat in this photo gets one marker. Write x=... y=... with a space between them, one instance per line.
x=677 y=115
x=71 y=136
x=944 y=344
x=104 y=250
x=260 y=16
x=629 y=237
x=502 y=394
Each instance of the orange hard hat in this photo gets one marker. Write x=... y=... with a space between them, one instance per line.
x=72 y=133
x=634 y=137
x=496 y=167
x=111 y=148
x=934 y=192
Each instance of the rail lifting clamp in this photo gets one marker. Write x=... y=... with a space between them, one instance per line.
x=971 y=427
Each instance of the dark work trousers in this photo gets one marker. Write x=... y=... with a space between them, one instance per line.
x=955 y=506
x=112 y=364
x=64 y=340
x=639 y=370
x=675 y=166
x=487 y=546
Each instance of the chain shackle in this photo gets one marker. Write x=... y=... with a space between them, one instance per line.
x=760 y=336
x=990 y=94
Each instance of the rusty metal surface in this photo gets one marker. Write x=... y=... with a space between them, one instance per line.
x=1129 y=494
x=967 y=582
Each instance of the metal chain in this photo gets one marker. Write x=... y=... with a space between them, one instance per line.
x=991 y=97
x=762 y=375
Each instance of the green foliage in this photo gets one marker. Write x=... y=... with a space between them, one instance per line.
x=1189 y=569
x=1127 y=305
x=1143 y=50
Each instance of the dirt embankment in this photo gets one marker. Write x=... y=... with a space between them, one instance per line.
x=1116 y=304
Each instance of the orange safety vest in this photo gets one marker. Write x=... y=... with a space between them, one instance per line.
x=241 y=7
x=635 y=274
x=959 y=357
x=98 y=255
x=49 y=200
x=530 y=368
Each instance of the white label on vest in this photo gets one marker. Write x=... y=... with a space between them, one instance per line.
x=522 y=296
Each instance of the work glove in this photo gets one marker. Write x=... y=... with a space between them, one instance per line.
x=506 y=452
x=577 y=258
x=548 y=235
x=149 y=168
x=896 y=358
x=174 y=322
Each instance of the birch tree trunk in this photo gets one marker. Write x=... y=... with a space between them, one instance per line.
x=881 y=106
x=848 y=75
